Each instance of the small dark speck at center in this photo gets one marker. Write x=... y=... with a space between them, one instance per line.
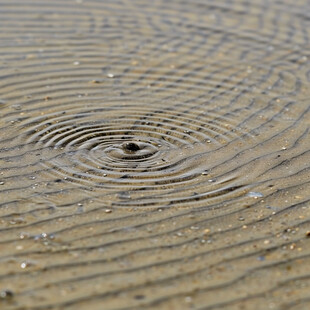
x=131 y=147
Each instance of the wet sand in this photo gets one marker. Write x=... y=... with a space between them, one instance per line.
x=154 y=155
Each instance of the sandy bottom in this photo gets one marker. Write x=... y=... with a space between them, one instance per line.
x=154 y=155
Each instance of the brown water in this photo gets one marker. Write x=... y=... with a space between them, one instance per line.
x=154 y=154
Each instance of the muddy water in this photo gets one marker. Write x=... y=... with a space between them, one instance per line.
x=154 y=154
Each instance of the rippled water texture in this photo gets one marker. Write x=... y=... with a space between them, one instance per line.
x=154 y=154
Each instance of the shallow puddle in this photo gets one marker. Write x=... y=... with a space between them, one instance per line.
x=154 y=154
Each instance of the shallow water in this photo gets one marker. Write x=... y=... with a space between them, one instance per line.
x=154 y=155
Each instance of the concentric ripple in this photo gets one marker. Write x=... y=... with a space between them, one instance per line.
x=161 y=151
x=165 y=108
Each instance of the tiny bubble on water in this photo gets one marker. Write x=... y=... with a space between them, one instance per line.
x=255 y=195
x=194 y=227
x=24 y=235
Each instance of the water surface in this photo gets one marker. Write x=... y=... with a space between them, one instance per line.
x=154 y=154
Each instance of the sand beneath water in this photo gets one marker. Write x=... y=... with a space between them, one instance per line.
x=154 y=155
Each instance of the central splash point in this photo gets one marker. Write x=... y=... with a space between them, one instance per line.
x=131 y=150
x=130 y=147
